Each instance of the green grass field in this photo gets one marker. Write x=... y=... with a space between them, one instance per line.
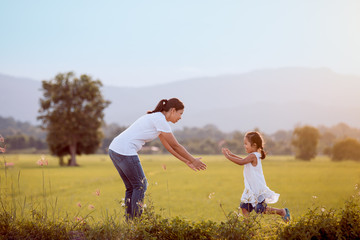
x=174 y=191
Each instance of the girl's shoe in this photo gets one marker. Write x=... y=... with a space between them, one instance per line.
x=286 y=218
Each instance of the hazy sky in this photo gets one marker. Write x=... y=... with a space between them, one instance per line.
x=138 y=43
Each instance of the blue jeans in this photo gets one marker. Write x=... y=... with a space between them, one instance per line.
x=132 y=174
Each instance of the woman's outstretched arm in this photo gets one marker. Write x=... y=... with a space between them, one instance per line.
x=175 y=148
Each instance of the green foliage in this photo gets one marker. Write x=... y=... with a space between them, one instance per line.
x=236 y=227
x=72 y=113
x=326 y=141
x=208 y=131
x=201 y=146
x=320 y=223
x=201 y=140
x=9 y=127
x=317 y=223
x=305 y=140
x=349 y=224
x=21 y=135
x=25 y=229
x=20 y=141
x=175 y=228
x=347 y=149
x=30 y=210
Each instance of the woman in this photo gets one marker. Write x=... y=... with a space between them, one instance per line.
x=123 y=150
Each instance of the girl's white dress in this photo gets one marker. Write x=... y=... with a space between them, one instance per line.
x=256 y=190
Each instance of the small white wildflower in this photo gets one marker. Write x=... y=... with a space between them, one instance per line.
x=211 y=195
x=237 y=214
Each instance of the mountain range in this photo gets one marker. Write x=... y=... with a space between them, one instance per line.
x=270 y=99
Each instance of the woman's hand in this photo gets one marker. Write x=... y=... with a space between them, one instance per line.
x=190 y=165
x=172 y=145
x=197 y=164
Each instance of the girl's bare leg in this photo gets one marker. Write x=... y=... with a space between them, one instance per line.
x=245 y=212
x=270 y=210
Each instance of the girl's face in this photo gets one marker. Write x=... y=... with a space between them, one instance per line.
x=248 y=147
x=174 y=115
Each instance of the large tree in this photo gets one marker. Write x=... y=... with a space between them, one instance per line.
x=305 y=140
x=72 y=113
x=346 y=149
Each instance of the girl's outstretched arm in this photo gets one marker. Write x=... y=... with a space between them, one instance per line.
x=230 y=153
x=251 y=158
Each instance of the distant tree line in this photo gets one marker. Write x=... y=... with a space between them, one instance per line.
x=21 y=141
x=9 y=126
x=340 y=142
x=22 y=135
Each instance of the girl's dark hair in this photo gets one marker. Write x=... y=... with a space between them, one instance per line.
x=166 y=105
x=255 y=138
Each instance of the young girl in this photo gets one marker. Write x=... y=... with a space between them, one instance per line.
x=256 y=194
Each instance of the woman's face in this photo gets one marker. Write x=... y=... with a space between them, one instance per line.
x=174 y=115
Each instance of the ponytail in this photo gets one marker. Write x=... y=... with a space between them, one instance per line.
x=159 y=107
x=263 y=154
x=166 y=105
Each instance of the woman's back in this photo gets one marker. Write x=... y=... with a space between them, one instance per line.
x=144 y=129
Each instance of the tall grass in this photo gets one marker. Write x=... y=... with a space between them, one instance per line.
x=317 y=223
x=47 y=202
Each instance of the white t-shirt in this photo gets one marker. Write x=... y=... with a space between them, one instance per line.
x=144 y=129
